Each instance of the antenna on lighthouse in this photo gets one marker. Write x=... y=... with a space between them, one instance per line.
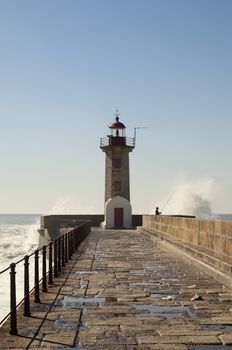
x=117 y=114
x=138 y=127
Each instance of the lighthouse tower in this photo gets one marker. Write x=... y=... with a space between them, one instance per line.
x=118 y=212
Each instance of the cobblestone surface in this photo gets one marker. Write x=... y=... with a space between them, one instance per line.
x=124 y=291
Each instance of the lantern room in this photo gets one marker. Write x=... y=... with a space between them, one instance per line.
x=118 y=135
x=117 y=128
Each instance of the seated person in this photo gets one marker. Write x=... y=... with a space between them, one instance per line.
x=157 y=212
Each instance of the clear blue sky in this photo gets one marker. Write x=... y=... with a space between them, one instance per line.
x=64 y=68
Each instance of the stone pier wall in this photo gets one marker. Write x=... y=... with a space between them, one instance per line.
x=52 y=226
x=213 y=235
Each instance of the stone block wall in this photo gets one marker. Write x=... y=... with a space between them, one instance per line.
x=51 y=226
x=214 y=235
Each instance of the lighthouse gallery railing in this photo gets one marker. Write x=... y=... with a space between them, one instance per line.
x=57 y=253
x=114 y=141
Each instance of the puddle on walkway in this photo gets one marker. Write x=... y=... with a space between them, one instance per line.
x=165 y=311
x=89 y=251
x=162 y=291
x=85 y=272
x=217 y=327
x=83 y=284
x=95 y=252
x=64 y=324
x=143 y=284
x=137 y=272
x=72 y=348
x=77 y=302
x=166 y=279
x=157 y=296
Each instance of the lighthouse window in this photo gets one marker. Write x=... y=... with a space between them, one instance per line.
x=117 y=163
x=117 y=186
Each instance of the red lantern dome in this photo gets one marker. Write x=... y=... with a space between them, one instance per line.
x=117 y=124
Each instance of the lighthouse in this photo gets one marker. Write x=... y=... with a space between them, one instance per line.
x=118 y=211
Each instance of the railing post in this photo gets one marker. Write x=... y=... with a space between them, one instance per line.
x=79 y=236
x=13 y=312
x=73 y=248
x=62 y=251
x=58 y=255
x=50 y=279
x=66 y=247
x=44 y=269
x=37 y=298
x=55 y=259
x=26 y=287
x=76 y=238
x=69 y=246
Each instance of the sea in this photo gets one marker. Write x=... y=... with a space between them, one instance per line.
x=18 y=237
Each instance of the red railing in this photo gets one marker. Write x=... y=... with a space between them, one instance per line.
x=59 y=252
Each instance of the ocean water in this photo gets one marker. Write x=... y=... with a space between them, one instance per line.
x=18 y=237
x=222 y=217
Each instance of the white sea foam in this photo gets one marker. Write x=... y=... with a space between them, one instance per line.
x=70 y=205
x=18 y=237
x=192 y=198
x=16 y=241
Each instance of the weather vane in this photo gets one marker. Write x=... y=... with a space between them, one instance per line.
x=117 y=113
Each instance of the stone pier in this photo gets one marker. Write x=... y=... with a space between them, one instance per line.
x=127 y=290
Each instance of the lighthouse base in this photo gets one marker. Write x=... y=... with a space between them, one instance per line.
x=118 y=213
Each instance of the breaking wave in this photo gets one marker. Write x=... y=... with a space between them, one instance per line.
x=191 y=199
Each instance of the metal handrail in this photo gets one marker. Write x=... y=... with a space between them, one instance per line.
x=127 y=141
x=60 y=251
x=17 y=262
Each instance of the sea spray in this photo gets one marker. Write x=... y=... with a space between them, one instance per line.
x=193 y=198
x=18 y=237
x=62 y=206
x=71 y=205
x=32 y=237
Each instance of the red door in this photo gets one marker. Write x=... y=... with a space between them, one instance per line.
x=118 y=217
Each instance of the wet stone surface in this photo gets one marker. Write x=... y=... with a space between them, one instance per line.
x=210 y=347
x=124 y=291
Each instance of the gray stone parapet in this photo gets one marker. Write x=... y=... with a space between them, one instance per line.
x=209 y=241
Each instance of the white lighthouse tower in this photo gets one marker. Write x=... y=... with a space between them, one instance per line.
x=118 y=212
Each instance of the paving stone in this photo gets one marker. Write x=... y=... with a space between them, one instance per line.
x=184 y=331
x=63 y=338
x=226 y=339
x=112 y=309
x=102 y=339
x=158 y=347
x=119 y=321
x=223 y=319
x=188 y=339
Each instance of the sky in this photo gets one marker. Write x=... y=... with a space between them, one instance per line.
x=66 y=65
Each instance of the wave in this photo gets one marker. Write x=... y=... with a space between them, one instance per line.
x=17 y=240
x=193 y=198
x=18 y=237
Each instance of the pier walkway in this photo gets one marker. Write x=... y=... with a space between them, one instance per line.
x=125 y=290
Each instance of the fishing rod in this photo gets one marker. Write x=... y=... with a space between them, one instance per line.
x=169 y=198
